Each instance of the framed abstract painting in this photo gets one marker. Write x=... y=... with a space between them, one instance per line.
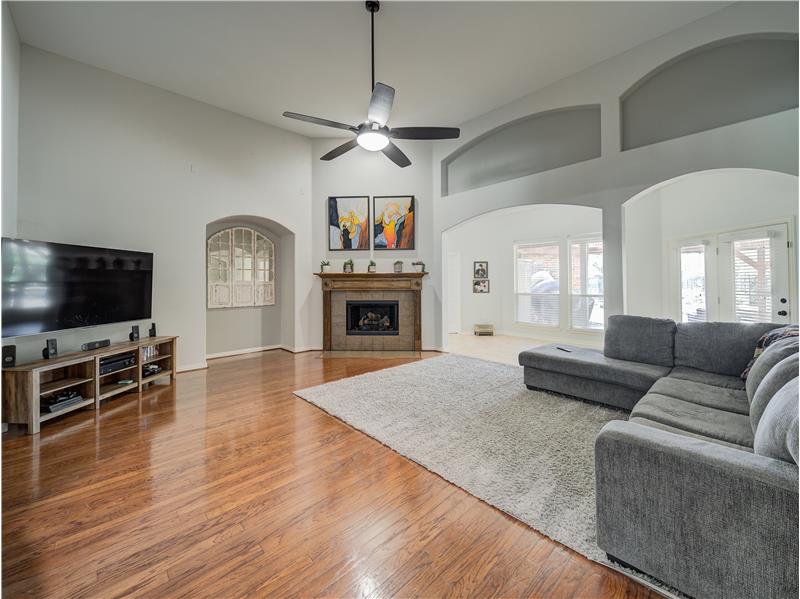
x=348 y=223
x=394 y=222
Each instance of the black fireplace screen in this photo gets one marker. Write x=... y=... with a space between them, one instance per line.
x=372 y=318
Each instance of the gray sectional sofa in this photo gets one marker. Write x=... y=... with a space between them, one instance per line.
x=699 y=487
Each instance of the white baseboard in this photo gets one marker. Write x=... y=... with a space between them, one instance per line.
x=247 y=350
x=196 y=366
x=300 y=349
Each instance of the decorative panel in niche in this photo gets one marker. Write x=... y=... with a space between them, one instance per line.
x=533 y=144
x=715 y=85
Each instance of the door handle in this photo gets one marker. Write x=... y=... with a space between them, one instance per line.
x=782 y=312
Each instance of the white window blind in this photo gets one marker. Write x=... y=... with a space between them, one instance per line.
x=241 y=269
x=537 y=267
x=693 y=283
x=586 y=284
x=752 y=280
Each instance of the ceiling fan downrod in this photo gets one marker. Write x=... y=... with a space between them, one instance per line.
x=373 y=6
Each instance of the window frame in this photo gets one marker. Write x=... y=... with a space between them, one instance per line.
x=587 y=238
x=240 y=291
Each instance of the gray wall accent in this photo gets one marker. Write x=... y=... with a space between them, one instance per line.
x=714 y=85
x=233 y=329
x=529 y=145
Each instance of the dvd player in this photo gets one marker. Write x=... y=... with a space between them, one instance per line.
x=115 y=363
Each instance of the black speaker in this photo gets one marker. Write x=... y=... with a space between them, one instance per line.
x=9 y=356
x=152 y=331
x=96 y=344
x=51 y=349
x=134 y=335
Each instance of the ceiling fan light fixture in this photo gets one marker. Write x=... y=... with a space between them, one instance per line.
x=374 y=141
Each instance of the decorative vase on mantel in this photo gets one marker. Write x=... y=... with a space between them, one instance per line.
x=348 y=267
x=398 y=267
x=371 y=268
x=324 y=266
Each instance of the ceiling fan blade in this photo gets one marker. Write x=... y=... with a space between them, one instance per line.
x=425 y=133
x=396 y=155
x=318 y=121
x=380 y=105
x=339 y=150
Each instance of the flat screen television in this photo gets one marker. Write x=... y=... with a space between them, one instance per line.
x=56 y=286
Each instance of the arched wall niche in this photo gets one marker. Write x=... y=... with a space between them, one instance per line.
x=253 y=328
x=532 y=144
x=717 y=84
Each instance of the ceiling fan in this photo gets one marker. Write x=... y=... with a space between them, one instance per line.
x=373 y=134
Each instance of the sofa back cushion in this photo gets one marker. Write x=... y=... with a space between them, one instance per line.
x=777 y=434
x=780 y=374
x=721 y=347
x=640 y=339
x=767 y=360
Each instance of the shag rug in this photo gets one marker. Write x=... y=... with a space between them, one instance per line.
x=475 y=424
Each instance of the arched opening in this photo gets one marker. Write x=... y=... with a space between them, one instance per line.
x=532 y=272
x=250 y=285
x=715 y=245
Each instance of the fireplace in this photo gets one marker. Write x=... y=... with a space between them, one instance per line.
x=373 y=317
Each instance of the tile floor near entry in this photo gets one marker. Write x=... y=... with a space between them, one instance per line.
x=499 y=348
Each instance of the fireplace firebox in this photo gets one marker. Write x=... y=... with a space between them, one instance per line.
x=373 y=317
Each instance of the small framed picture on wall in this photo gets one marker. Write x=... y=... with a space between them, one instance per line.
x=348 y=223
x=480 y=270
x=480 y=286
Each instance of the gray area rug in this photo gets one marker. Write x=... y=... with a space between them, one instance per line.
x=473 y=422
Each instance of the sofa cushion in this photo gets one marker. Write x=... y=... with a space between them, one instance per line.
x=777 y=434
x=730 y=400
x=767 y=339
x=780 y=374
x=592 y=364
x=695 y=418
x=588 y=389
x=709 y=378
x=640 y=339
x=721 y=347
x=767 y=360
x=679 y=431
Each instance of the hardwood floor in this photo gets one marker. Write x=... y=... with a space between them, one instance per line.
x=227 y=485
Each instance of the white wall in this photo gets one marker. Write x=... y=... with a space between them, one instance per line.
x=10 y=125
x=768 y=142
x=491 y=238
x=691 y=206
x=360 y=172
x=109 y=161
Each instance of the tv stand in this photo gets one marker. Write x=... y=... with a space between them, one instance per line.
x=24 y=386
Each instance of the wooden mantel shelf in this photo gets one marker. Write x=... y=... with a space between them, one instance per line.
x=370 y=275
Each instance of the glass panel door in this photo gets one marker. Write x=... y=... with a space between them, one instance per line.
x=754 y=275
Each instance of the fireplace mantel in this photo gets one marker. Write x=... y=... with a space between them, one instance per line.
x=407 y=283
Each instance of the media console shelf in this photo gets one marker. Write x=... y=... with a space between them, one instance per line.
x=27 y=386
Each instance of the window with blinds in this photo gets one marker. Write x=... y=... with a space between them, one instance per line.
x=241 y=269
x=586 y=283
x=752 y=280
x=693 y=283
x=537 y=288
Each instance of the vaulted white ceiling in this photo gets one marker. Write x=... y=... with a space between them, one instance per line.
x=449 y=61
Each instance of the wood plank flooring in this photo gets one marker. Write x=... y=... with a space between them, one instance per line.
x=227 y=485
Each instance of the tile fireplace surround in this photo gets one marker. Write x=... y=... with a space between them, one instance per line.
x=340 y=288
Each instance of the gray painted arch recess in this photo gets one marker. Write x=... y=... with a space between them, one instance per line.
x=714 y=85
x=532 y=144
